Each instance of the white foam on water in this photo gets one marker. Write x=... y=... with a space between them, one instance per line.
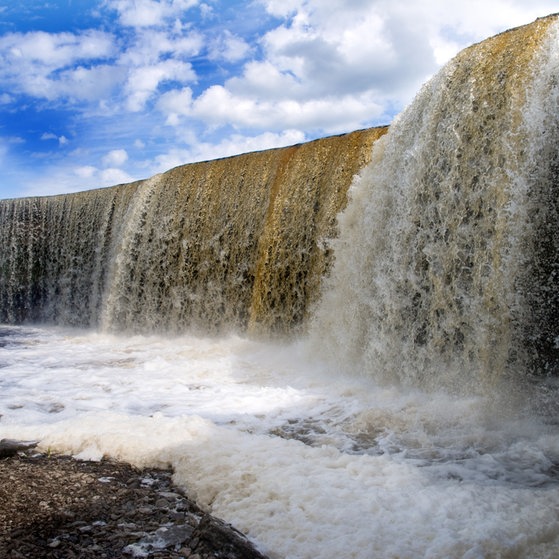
x=307 y=462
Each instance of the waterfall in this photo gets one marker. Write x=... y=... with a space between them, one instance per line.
x=447 y=257
x=237 y=243
x=447 y=261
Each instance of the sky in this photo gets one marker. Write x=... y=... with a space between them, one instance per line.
x=101 y=92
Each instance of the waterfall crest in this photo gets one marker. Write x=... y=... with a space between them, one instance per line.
x=448 y=250
x=235 y=243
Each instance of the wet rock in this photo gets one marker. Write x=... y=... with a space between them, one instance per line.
x=55 y=507
x=223 y=540
x=9 y=447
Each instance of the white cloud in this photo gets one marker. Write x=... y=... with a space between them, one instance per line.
x=140 y=13
x=149 y=13
x=115 y=158
x=62 y=140
x=232 y=145
x=332 y=48
x=94 y=177
x=44 y=65
x=217 y=106
x=87 y=66
x=206 y=11
x=229 y=47
x=55 y=50
x=85 y=171
x=175 y=103
x=87 y=84
x=333 y=65
x=266 y=80
x=282 y=8
x=148 y=46
x=144 y=81
x=113 y=176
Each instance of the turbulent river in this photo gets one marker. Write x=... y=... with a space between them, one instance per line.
x=309 y=463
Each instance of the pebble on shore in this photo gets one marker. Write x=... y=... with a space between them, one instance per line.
x=58 y=507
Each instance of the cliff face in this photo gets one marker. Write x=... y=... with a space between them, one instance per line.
x=237 y=243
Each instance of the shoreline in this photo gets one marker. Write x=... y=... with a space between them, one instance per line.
x=55 y=506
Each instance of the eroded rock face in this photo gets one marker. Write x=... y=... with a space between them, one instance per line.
x=57 y=507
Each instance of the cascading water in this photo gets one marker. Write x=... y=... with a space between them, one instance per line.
x=448 y=256
x=446 y=269
x=213 y=246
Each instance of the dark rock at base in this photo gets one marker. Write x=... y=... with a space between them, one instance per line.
x=223 y=540
x=9 y=447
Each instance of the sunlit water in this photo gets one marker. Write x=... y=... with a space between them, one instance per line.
x=309 y=463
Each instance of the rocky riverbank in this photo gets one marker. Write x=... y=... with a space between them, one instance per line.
x=58 y=507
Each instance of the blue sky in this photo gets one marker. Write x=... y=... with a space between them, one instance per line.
x=96 y=93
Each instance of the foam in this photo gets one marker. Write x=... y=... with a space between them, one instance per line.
x=307 y=462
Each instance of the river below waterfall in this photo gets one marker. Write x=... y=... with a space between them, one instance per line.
x=307 y=461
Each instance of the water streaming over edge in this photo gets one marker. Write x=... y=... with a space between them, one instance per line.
x=446 y=266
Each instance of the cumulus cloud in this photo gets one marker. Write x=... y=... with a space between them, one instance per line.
x=232 y=145
x=331 y=48
x=46 y=65
x=229 y=47
x=143 y=82
x=89 y=66
x=330 y=65
x=175 y=103
x=218 y=106
x=86 y=84
x=150 y=46
x=55 y=50
x=85 y=171
x=115 y=158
